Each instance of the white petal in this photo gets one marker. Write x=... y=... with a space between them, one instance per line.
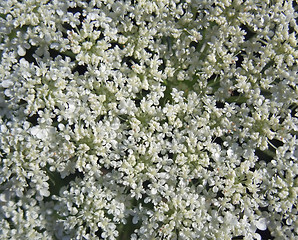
x=34 y=130
x=257 y=236
x=153 y=191
x=7 y=93
x=71 y=107
x=43 y=133
x=6 y=83
x=44 y=192
x=60 y=12
x=261 y=224
x=3 y=129
x=38 y=132
x=21 y=51
x=230 y=152
x=135 y=219
x=2 y=197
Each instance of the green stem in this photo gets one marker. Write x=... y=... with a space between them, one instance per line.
x=125 y=230
x=237 y=99
x=69 y=54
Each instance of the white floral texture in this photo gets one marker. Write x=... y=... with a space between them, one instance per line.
x=140 y=119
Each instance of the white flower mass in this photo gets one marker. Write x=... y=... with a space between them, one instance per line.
x=140 y=119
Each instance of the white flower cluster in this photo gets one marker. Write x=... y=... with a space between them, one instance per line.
x=140 y=119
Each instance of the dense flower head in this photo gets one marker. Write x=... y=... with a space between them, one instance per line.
x=138 y=119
